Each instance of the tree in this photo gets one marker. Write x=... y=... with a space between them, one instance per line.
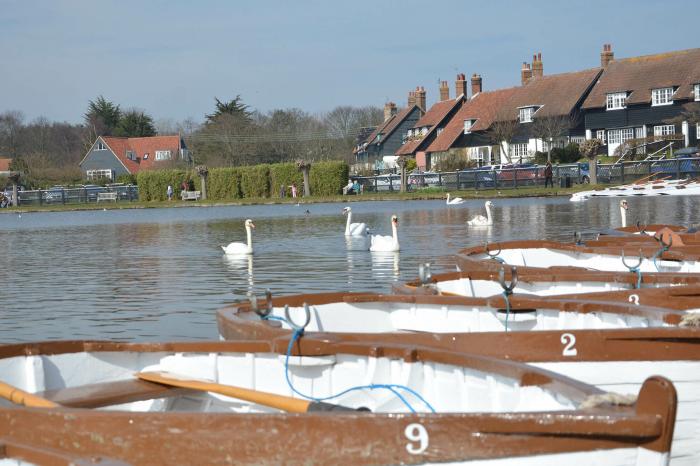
x=11 y=126
x=102 y=116
x=135 y=123
x=203 y=173
x=502 y=133
x=589 y=149
x=551 y=130
x=233 y=108
x=305 y=168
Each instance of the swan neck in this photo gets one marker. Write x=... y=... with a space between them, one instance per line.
x=347 y=224
x=249 y=234
x=394 y=232
x=623 y=214
x=488 y=212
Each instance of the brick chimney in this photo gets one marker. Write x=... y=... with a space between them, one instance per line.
x=537 y=68
x=461 y=85
x=389 y=110
x=525 y=73
x=420 y=97
x=411 y=99
x=606 y=56
x=444 y=91
x=476 y=84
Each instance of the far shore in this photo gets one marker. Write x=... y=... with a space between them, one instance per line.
x=535 y=191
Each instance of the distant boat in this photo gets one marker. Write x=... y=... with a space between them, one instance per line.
x=479 y=405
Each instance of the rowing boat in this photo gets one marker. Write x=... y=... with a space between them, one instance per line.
x=466 y=409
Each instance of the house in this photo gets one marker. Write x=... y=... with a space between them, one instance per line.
x=642 y=99
x=467 y=133
x=110 y=157
x=430 y=125
x=378 y=151
x=5 y=167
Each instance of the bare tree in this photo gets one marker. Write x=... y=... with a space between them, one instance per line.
x=589 y=149
x=551 y=130
x=502 y=133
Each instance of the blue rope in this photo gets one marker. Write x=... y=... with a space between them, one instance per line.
x=506 y=295
x=391 y=387
x=271 y=317
x=658 y=253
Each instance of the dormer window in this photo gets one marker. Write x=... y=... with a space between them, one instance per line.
x=162 y=155
x=101 y=146
x=617 y=101
x=468 y=126
x=130 y=155
x=696 y=91
x=145 y=156
x=526 y=114
x=424 y=131
x=662 y=96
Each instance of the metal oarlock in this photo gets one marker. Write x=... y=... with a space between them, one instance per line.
x=263 y=313
x=291 y=323
x=642 y=228
x=632 y=268
x=508 y=289
x=492 y=256
x=577 y=238
x=424 y=274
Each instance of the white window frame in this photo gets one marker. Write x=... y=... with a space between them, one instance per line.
x=696 y=91
x=662 y=96
x=439 y=130
x=519 y=151
x=525 y=114
x=424 y=131
x=468 y=126
x=664 y=130
x=93 y=175
x=616 y=101
x=619 y=136
x=600 y=134
x=101 y=146
x=163 y=155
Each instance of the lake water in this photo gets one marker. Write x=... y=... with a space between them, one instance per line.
x=159 y=274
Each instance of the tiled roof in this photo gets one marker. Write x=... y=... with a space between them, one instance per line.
x=5 y=165
x=390 y=125
x=431 y=119
x=482 y=108
x=144 y=149
x=556 y=94
x=639 y=75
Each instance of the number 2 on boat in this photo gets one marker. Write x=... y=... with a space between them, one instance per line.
x=416 y=433
x=634 y=298
x=569 y=340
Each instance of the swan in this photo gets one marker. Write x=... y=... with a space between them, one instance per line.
x=242 y=248
x=623 y=212
x=353 y=229
x=480 y=220
x=454 y=201
x=386 y=243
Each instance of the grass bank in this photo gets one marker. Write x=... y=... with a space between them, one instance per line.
x=426 y=194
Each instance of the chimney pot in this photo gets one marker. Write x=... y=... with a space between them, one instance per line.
x=461 y=85
x=476 y=84
x=607 y=55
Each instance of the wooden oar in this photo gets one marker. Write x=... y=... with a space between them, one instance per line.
x=285 y=403
x=20 y=397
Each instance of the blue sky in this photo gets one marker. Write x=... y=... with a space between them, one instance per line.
x=171 y=58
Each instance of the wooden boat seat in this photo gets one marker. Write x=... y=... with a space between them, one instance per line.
x=111 y=393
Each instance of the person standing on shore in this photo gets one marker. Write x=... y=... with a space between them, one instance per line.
x=548 y=174
x=169 y=191
x=294 y=189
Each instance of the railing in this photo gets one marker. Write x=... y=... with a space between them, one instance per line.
x=80 y=195
x=507 y=178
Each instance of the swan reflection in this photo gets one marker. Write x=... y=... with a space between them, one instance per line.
x=385 y=265
x=240 y=266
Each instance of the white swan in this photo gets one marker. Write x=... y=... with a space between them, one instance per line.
x=242 y=248
x=353 y=229
x=386 y=243
x=623 y=212
x=480 y=220
x=454 y=201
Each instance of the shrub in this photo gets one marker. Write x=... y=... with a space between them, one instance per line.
x=328 y=178
x=411 y=165
x=153 y=184
x=284 y=174
x=453 y=162
x=224 y=183
x=255 y=180
x=127 y=178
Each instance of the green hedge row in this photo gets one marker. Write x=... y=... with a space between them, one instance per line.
x=326 y=178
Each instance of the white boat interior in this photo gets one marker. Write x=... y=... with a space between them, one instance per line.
x=448 y=388
x=485 y=288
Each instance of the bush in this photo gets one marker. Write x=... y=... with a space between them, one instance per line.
x=284 y=174
x=453 y=162
x=328 y=178
x=127 y=178
x=224 y=183
x=411 y=165
x=255 y=180
x=153 y=184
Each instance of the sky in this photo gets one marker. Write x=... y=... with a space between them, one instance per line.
x=171 y=58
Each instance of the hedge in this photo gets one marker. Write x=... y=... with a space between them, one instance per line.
x=224 y=183
x=255 y=180
x=153 y=184
x=328 y=178
x=284 y=174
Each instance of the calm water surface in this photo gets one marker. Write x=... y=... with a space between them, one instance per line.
x=159 y=274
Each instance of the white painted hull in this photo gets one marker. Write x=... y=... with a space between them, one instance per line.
x=545 y=257
x=627 y=376
x=668 y=188
x=617 y=457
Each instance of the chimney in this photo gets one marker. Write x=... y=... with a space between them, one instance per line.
x=461 y=85
x=411 y=99
x=389 y=110
x=444 y=91
x=606 y=56
x=420 y=97
x=525 y=73
x=537 y=68
x=476 y=84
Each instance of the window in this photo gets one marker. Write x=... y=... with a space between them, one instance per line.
x=600 y=134
x=93 y=175
x=439 y=130
x=617 y=100
x=662 y=96
x=696 y=91
x=145 y=156
x=424 y=131
x=130 y=155
x=162 y=155
x=468 y=126
x=577 y=139
x=519 y=151
x=618 y=136
x=101 y=146
x=526 y=114
x=664 y=130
